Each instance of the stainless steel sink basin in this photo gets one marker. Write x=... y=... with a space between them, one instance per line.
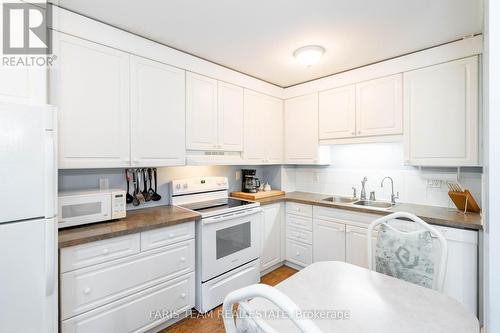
x=339 y=199
x=373 y=204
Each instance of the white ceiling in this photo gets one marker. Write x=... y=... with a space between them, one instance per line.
x=258 y=37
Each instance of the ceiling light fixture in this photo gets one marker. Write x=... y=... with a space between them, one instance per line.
x=309 y=55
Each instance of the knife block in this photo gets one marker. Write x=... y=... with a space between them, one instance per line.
x=464 y=201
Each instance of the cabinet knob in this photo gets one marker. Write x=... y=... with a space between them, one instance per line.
x=183 y=259
x=183 y=295
x=359 y=132
x=171 y=235
x=353 y=133
x=87 y=291
x=105 y=251
x=297 y=254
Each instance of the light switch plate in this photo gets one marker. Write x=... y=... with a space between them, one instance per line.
x=434 y=183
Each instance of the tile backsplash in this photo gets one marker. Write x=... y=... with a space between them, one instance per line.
x=350 y=163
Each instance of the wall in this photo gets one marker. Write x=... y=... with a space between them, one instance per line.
x=350 y=163
x=89 y=179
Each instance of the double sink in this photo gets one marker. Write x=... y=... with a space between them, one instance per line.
x=383 y=205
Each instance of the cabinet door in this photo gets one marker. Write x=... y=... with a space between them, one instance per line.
x=158 y=113
x=337 y=113
x=271 y=236
x=91 y=90
x=329 y=241
x=230 y=117
x=263 y=128
x=441 y=114
x=273 y=125
x=379 y=106
x=201 y=112
x=356 y=251
x=301 y=130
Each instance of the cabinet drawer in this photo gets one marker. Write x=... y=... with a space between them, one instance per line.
x=84 y=255
x=139 y=312
x=299 y=222
x=165 y=236
x=299 y=235
x=298 y=253
x=299 y=209
x=85 y=289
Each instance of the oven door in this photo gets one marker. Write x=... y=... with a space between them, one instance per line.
x=229 y=241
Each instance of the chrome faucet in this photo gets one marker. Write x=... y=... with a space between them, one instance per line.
x=363 y=191
x=393 y=197
x=354 y=193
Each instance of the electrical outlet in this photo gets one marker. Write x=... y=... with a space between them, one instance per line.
x=238 y=175
x=433 y=183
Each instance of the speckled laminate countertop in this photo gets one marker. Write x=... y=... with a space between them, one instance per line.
x=443 y=216
x=136 y=221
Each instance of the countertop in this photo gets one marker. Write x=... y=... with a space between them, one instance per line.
x=448 y=217
x=136 y=221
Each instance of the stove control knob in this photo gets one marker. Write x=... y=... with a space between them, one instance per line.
x=178 y=186
x=185 y=186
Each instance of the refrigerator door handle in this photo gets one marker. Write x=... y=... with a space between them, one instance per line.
x=50 y=174
x=50 y=256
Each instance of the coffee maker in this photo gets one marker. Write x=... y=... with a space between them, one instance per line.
x=249 y=183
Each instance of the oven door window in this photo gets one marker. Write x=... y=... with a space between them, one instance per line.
x=233 y=239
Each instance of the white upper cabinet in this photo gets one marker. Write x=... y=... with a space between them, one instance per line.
x=214 y=114
x=90 y=86
x=441 y=114
x=201 y=112
x=263 y=130
x=301 y=131
x=230 y=117
x=157 y=113
x=379 y=106
x=337 y=113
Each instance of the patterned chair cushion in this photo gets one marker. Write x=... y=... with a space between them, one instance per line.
x=406 y=256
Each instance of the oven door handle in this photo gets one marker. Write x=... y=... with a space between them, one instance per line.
x=226 y=217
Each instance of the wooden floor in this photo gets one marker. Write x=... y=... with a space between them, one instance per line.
x=211 y=322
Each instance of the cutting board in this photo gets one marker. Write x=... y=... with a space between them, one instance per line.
x=258 y=195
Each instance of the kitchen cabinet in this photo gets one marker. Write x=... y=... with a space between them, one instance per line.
x=158 y=113
x=270 y=254
x=91 y=87
x=442 y=114
x=379 y=106
x=23 y=84
x=114 y=284
x=201 y=112
x=230 y=117
x=214 y=114
x=356 y=251
x=263 y=130
x=299 y=237
x=329 y=241
x=337 y=113
x=301 y=131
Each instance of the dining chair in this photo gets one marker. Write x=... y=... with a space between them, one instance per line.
x=410 y=256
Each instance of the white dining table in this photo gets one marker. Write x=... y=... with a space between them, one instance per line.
x=374 y=302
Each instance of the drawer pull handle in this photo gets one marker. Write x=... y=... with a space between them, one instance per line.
x=183 y=259
x=298 y=254
x=171 y=235
x=105 y=251
x=183 y=295
x=87 y=291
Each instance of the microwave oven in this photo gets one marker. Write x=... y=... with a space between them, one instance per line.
x=84 y=207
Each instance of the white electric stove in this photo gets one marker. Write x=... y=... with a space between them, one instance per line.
x=227 y=238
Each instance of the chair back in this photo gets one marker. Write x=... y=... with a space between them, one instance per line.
x=421 y=233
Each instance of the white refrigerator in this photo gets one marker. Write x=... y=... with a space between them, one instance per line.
x=28 y=229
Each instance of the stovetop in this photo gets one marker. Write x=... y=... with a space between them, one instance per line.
x=219 y=206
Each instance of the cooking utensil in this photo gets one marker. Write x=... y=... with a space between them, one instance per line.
x=135 y=200
x=145 y=192
x=156 y=196
x=150 y=177
x=128 y=198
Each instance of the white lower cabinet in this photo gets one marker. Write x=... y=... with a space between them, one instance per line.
x=299 y=237
x=298 y=253
x=270 y=254
x=329 y=241
x=356 y=251
x=132 y=293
